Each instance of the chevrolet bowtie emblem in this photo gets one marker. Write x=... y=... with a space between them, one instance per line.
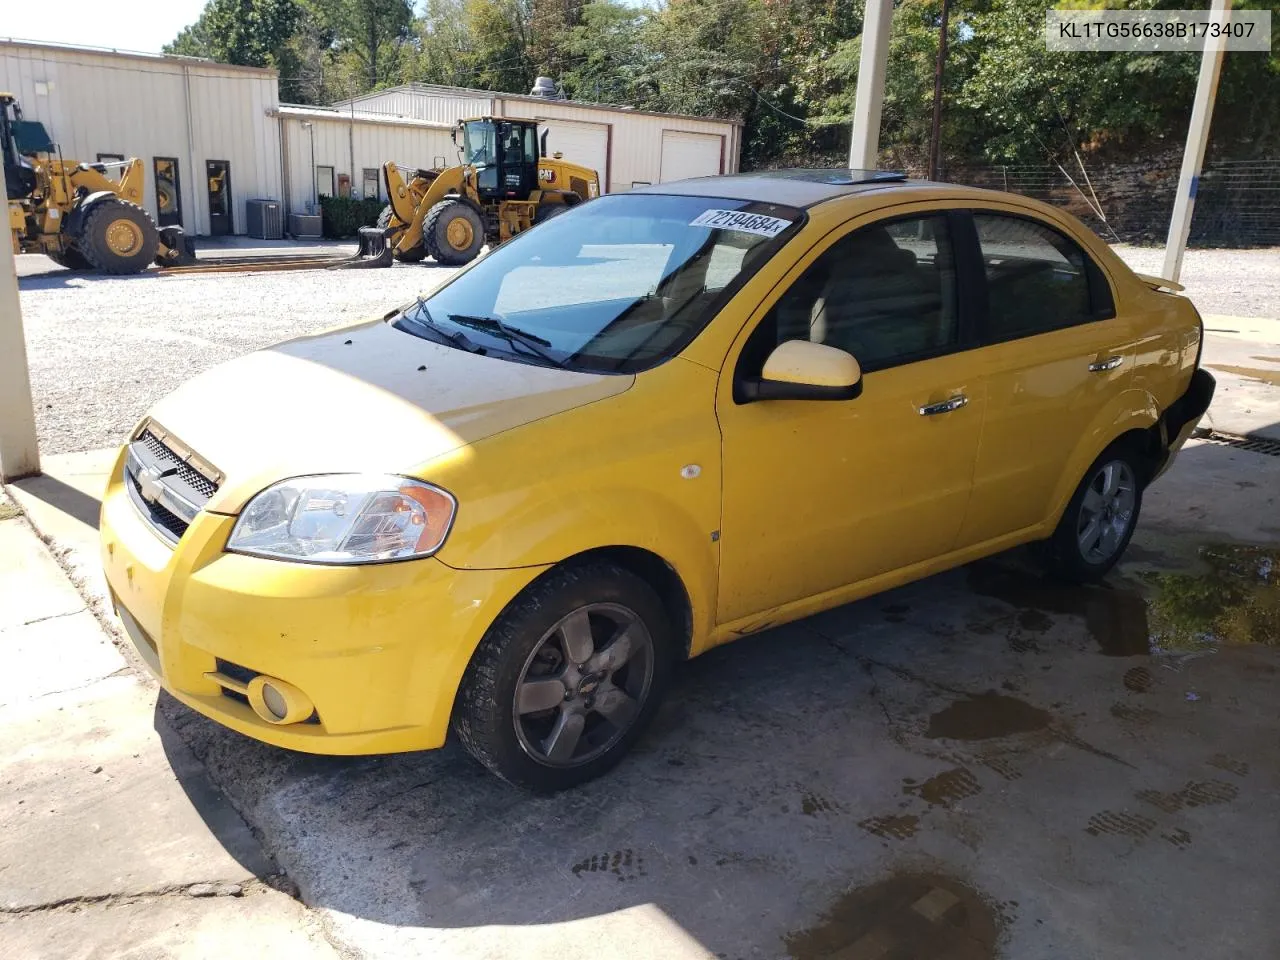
x=149 y=484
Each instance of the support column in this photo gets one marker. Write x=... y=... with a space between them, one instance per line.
x=1197 y=138
x=864 y=148
x=19 y=455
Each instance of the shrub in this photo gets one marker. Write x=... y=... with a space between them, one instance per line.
x=343 y=216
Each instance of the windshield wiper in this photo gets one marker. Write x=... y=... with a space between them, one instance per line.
x=454 y=337
x=532 y=343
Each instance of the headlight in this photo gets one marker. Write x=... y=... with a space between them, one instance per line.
x=344 y=518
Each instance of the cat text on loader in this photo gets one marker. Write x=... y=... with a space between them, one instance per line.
x=76 y=213
x=505 y=184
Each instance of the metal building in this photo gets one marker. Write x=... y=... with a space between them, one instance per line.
x=214 y=136
x=204 y=130
x=628 y=148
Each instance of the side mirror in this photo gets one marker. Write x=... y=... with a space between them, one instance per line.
x=453 y=134
x=800 y=370
x=544 y=142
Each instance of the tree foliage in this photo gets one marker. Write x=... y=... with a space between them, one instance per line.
x=786 y=68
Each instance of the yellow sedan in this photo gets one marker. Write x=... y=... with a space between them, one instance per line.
x=657 y=423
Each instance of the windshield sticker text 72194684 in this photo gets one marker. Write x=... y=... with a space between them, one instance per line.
x=737 y=220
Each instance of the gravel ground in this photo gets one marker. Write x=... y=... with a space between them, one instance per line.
x=1235 y=283
x=103 y=349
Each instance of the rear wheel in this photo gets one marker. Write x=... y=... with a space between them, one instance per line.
x=549 y=211
x=566 y=678
x=412 y=255
x=453 y=233
x=118 y=237
x=1100 y=519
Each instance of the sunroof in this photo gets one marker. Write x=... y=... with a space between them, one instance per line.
x=840 y=176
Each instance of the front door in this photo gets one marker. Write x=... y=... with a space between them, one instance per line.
x=168 y=192
x=218 y=175
x=1057 y=358
x=823 y=494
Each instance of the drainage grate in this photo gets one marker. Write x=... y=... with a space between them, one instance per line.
x=1264 y=445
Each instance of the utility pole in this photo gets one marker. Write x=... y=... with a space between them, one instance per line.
x=1197 y=138
x=19 y=454
x=864 y=148
x=935 y=136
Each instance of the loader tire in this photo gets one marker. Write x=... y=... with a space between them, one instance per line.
x=118 y=237
x=416 y=254
x=453 y=233
x=71 y=258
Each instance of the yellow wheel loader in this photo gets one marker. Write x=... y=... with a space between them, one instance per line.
x=505 y=184
x=78 y=214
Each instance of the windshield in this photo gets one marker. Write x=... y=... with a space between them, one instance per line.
x=616 y=285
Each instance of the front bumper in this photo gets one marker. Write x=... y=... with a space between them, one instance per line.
x=379 y=649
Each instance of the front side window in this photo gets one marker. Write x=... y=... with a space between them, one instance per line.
x=885 y=293
x=1037 y=279
x=616 y=285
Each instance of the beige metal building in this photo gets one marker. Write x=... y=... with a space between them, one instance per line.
x=627 y=147
x=204 y=130
x=214 y=136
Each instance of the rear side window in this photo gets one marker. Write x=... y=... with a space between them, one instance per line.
x=1037 y=278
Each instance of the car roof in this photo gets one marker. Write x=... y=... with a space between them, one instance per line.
x=798 y=187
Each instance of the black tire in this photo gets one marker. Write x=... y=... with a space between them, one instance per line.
x=485 y=715
x=1065 y=554
x=118 y=237
x=71 y=258
x=435 y=233
x=415 y=254
x=549 y=211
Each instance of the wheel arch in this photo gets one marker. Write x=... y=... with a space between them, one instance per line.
x=1133 y=414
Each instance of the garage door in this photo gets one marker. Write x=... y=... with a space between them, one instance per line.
x=582 y=143
x=687 y=155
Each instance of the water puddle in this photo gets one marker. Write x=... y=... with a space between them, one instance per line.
x=910 y=916
x=1252 y=373
x=986 y=716
x=1230 y=596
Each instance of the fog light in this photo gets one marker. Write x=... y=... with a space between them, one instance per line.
x=278 y=702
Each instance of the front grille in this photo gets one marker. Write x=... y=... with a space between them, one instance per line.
x=183 y=471
x=164 y=520
x=167 y=482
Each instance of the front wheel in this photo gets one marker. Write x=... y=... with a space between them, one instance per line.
x=413 y=254
x=1100 y=519
x=453 y=233
x=567 y=677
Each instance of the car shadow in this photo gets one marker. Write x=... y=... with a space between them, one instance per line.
x=781 y=769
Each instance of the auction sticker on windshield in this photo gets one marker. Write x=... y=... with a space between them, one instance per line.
x=737 y=220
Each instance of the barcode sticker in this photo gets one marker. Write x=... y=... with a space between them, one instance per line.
x=755 y=223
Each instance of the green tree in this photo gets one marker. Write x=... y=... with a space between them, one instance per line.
x=251 y=33
x=366 y=38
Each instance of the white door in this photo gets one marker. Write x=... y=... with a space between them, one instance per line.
x=687 y=155
x=586 y=144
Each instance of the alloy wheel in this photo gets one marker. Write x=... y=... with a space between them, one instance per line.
x=1106 y=512
x=584 y=685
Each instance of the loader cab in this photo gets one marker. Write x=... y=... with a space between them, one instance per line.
x=504 y=154
x=18 y=138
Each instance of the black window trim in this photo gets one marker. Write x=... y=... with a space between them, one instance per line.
x=1102 y=298
x=970 y=294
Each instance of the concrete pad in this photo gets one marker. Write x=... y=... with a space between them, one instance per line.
x=1218 y=491
x=262 y=923
x=97 y=798
x=63 y=504
x=32 y=585
x=56 y=654
x=1244 y=355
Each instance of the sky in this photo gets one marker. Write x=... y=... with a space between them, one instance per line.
x=143 y=27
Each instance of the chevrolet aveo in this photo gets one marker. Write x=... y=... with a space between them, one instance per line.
x=657 y=423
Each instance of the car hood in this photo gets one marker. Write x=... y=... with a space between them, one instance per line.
x=368 y=398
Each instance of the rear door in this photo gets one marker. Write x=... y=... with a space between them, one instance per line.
x=1055 y=356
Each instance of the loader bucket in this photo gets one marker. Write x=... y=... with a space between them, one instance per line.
x=175 y=248
x=374 y=250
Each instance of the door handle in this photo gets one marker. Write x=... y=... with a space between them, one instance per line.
x=1108 y=364
x=946 y=406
